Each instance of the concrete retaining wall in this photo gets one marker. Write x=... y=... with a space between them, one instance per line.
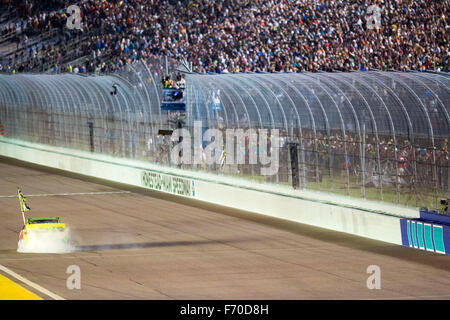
x=360 y=217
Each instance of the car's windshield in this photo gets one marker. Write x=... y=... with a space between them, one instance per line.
x=34 y=221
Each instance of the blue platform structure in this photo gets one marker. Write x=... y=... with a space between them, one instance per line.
x=173 y=100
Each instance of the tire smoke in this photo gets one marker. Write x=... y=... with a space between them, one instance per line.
x=46 y=241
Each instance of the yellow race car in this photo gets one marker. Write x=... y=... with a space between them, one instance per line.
x=44 y=235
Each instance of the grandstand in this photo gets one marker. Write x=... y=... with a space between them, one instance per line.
x=225 y=36
x=231 y=149
x=364 y=112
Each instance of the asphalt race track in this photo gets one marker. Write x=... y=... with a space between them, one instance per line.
x=132 y=243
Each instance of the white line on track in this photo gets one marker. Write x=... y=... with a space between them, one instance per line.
x=30 y=283
x=68 y=194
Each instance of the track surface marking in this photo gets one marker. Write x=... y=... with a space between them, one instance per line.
x=10 y=290
x=67 y=194
x=27 y=282
x=141 y=244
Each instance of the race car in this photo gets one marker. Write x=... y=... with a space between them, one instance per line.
x=44 y=235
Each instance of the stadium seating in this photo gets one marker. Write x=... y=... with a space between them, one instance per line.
x=227 y=36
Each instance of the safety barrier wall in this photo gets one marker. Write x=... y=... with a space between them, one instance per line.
x=431 y=232
x=425 y=236
x=362 y=218
x=369 y=135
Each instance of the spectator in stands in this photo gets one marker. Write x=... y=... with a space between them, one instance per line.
x=181 y=83
x=168 y=83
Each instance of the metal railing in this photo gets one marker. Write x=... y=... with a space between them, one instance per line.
x=374 y=135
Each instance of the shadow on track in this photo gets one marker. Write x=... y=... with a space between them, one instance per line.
x=144 y=245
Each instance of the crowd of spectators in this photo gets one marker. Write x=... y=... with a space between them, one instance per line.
x=256 y=35
x=35 y=17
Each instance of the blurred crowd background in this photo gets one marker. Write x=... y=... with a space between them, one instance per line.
x=225 y=36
